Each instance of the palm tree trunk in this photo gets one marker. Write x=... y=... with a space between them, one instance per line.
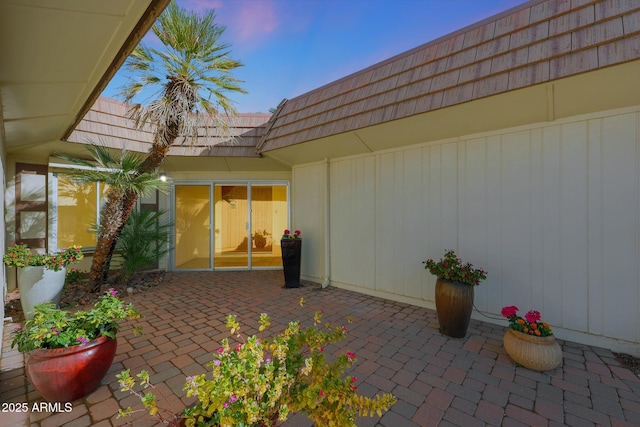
x=107 y=244
x=110 y=221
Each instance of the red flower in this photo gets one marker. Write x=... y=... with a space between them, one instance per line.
x=509 y=311
x=532 y=316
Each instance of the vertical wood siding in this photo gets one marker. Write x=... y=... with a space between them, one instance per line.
x=552 y=212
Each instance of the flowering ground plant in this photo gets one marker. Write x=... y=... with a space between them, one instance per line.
x=19 y=255
x=289 y=236
x=259 y=382
x=450 y=267
x=52 y=327
x=531 y=323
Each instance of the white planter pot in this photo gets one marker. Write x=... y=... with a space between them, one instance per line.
x=38 y=284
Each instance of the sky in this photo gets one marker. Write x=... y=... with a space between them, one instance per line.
x=290 y=47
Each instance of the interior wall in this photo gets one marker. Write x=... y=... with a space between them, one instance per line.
x=550 y=211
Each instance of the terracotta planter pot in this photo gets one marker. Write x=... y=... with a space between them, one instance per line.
x=67 y=374
x=532 y=352
x=454 y=303
x=38 y=284
x=291 y=250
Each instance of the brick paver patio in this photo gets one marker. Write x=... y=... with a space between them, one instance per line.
x=437 y=380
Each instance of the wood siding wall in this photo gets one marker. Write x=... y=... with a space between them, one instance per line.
x=551 y=211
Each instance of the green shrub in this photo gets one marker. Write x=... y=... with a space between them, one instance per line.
x=143 y=242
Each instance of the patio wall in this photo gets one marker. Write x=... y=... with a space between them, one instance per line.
x=550 y=210
x=3 y=287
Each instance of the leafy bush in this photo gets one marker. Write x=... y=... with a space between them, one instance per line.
x=259 y=381
x=143 y=242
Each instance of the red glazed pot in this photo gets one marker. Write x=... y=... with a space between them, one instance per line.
x=67 y=374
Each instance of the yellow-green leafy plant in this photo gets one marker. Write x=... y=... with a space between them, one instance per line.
x=259 y=382
x=52 y=327
x=19 y=255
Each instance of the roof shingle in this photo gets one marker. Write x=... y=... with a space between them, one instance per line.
x=536 y=42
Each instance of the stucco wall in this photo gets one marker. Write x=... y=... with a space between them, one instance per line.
x=551 y=211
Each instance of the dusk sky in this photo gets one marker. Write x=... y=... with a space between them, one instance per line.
x=289 y=47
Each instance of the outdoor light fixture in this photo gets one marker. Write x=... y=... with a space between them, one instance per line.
x=163 y=177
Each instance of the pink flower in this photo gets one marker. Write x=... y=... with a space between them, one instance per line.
x=113 y=292
x=354 y=379
x=509 y=311
x=82 y=340
x=532 y=316
x=220 y=350
x=226 y=404
x=350 y=355
x=321 y=393
x=238 y=347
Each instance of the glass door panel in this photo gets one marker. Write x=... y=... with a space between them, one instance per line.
x=268 y=221
x=193 y=226
x=230 y=239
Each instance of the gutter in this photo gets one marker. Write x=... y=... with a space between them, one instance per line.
x=155 y=9
x=327 y=229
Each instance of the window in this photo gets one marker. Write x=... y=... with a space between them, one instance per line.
x=78 y=209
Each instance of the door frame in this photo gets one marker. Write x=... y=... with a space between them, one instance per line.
x=211 y=184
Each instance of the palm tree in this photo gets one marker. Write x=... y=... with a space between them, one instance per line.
x=188 y=80
x=122 y=176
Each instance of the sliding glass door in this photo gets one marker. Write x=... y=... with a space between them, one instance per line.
x=231 y=232
x=192 y=248
x=269 y=216
x=229 y=225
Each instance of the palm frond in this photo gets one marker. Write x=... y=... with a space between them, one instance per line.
x=117 y=171
x=191 y=74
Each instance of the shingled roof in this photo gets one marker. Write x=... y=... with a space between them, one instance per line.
x=537 y=42
x=107 y=123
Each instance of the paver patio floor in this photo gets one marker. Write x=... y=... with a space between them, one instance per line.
x=438 y=380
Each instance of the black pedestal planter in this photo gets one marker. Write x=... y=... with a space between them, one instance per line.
x=291 y=249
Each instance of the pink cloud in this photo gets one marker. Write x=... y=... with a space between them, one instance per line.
x=247 y=21
x=255 y=20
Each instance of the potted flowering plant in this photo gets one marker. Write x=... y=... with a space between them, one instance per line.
x=259 y=382
x=40 y=276
x=19 y=255
x=454 y=292
x=291 y=244
x=287 y=235
x=451 y=267
x=529 y=341
x=531 y=324
x=69 y=353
